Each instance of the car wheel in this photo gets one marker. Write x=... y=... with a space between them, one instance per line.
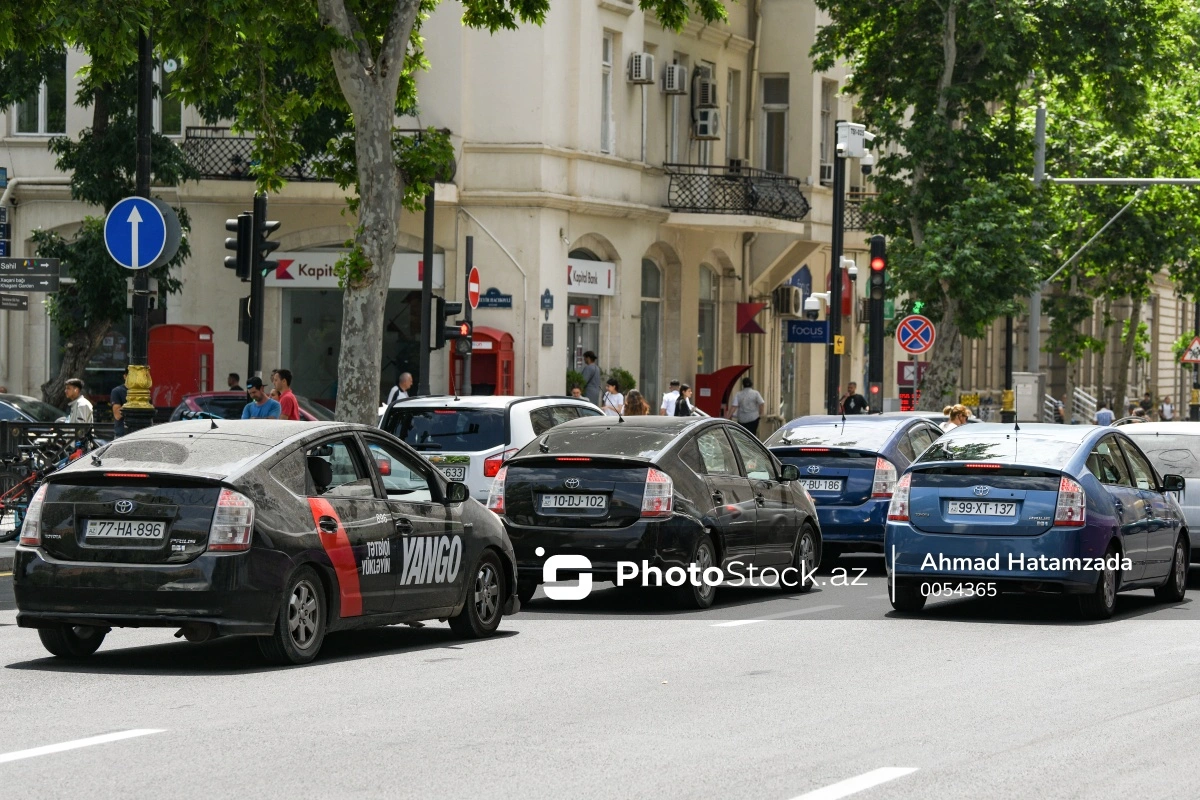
x=702 y=596
x=300 y=625
x=480 y=615
x=1176 y=586
x=1102 y=601
x=805 y=562
x=906 y=596
x=72 y=641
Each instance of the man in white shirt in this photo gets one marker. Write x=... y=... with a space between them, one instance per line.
x=400 y=390
x=748 y=406
x=81 y=407
x=667 y=409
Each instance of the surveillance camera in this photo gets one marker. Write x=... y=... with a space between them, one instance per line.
x=853 y=270
x=812 y=308
x=870 y=137
x=841 y=149
x=867 y=163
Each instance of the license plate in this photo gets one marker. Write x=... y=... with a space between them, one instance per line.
x=579 y=502
x=822 y=485
x=454 y=473
x=124 y=529
x=982 y=508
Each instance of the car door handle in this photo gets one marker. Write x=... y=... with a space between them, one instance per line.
x=404 y=525
x=1119 y=505
x=760 y=500
x=718 y=498
x=327 y=525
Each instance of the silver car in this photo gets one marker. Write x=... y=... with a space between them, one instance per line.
x=1174 y=448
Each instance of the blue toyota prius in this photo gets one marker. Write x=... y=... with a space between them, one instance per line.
x=849 y=466
x=1039 y=508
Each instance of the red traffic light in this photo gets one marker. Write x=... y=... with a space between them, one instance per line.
x=874 y=388
x=464 y=329
x=878 y=264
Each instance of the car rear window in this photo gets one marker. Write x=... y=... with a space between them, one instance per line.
x=460 y=430
x=39 y=411
x=608 y=440
x=227 y=407
x=834 y=434
x=1008 y=448
x=1171 y=454
x=211 y=454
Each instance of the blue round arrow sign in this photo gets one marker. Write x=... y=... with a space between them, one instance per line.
x=135 y=233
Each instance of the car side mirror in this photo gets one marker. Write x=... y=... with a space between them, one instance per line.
x=457 y=492
x=1172 y=483
x=790 y=472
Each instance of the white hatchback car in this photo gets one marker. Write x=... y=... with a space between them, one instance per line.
x=470 y=438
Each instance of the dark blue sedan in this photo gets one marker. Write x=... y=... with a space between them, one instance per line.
x=849 y=466
x=1042 y=508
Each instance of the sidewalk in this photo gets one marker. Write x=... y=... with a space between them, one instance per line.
x=6 y=556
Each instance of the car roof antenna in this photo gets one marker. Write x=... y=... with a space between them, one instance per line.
x=212 y=425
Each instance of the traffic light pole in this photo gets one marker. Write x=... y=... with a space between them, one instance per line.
x=138 y=411
x=1008 y=410
x=466 y=359
x=257 y=285
x=833 y=363
x=877 y=286
x=426 y=298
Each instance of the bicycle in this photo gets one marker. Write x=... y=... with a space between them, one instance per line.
x=34 y=466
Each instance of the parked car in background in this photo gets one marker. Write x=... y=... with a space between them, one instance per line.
x=1174 y=448
x=470 y=438
x=850 y=465
x=229 y=405
x=23 y=408
x=936 y=417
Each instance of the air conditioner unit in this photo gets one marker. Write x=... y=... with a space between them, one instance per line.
x=707 y=124
x=706 y=92
x=641 y=68
x=826 y=174
x=788 y=301
x=674 y=80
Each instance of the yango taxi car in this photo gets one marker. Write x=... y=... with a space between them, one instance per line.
x=1036 y=508
x=279 y=530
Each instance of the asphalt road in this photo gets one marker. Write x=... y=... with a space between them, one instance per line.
x=766 y=695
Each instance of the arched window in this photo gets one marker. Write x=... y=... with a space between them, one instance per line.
x=706 y=354
x=583 y=333
x=649 y=380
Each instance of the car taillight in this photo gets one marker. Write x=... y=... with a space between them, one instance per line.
x=885 y=478
x=232 y=523
x=1072 y=504
x=659 y=495
x=492 y=464
x=496 y=493
x=31 y=525
x=898 y=510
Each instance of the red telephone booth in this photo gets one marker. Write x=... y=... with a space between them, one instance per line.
x=712 y=391
x=181 y=362
x=491 y=363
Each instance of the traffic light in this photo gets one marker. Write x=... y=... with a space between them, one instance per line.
x=918 y=306
x=263 y=228
x=462 y=344
x=241 y=244
x=443 y=320
x=877 y=287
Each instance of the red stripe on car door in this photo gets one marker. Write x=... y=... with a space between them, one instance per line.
x=341 y=555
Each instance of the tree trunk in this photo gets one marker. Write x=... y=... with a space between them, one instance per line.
x=77 y=352
x=1128 y=347
x=941 y=381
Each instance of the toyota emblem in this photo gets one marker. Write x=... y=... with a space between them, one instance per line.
x=123 y=507
x=982 y=491
x=814 y=469
x=571 y=483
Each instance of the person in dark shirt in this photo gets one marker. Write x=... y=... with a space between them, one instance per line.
x=234 y=382
x=117 y=399
x=853 y=402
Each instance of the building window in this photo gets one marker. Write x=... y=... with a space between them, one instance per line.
x=606 y=91
x=775 y=123
x=168 y=108
x=45 y=111
x=828 y=134
x=706 y=353
x=733 y=113
x=648 y=374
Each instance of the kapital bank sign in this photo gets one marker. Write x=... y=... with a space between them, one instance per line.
x=591 y=277
x=316 y=271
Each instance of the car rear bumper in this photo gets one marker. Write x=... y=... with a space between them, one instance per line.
x=236 y=593
x=1013 y=562
x=659 y=543
x=855 y=527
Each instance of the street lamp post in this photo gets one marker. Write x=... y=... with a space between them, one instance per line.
x=833 y=362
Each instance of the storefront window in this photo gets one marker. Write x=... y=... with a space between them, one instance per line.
x=583 y=326
x=706 y=355
x=648 y=375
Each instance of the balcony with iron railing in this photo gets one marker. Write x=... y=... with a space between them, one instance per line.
x=219 y=154
x=857 y=217
x=715 y=189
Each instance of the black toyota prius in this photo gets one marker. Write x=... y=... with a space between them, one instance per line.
x=669 y=491
x=279 y=530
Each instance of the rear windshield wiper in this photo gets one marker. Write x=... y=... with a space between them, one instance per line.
x=428 y=446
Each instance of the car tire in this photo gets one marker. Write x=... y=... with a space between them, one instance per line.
x=702 y=596
x=1176 y=586
x=480 y=615
x=805 y=561
x=906 y=597
x=72 y=641
x=1101 y=602
x=526 y=590
x=300 y=624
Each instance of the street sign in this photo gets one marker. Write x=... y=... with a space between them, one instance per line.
x=493 y=298
x=906 y=371
x=141 y=233
x=915 y=334
x=473 y=287
x=801 y=331
x=839 y=345
x=29 y=274
x=14 y=302
x=1192 y=354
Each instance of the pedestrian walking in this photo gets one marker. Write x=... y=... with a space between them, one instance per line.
x=1166 y=411
x=1147 y=404
x=400 y=390
x=958 y=417
x=80 y=408
x=289 y=408
x=116 y=400
x=234 y=381
x=748 y=407
x=614 y=403
x=853 y=402
x=636 y=405
x=683 y=405
x=667 y=409
x=1060 y=411
x=1104 y=415
x=577 y=393
x=261 y=406
x=591 y=377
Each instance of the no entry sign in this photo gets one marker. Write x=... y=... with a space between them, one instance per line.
x=473 y=287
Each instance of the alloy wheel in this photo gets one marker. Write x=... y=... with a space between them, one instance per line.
x=302 y=615
x=1181 y=565
x=487 y=593
x=704 y=560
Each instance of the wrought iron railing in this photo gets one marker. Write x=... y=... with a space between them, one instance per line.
x=706 y=189
x=857 y=218
x=218 y=154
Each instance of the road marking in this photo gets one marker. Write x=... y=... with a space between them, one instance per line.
x=73 y=745
x=879 y=597
x=782 y=615
x=858 y=784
